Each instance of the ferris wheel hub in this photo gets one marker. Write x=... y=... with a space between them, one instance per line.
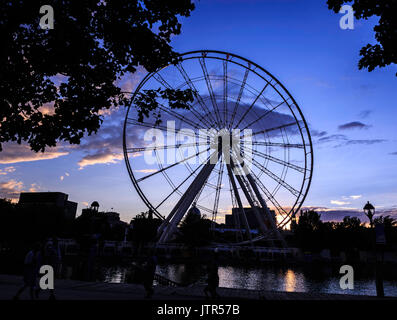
x=225 y=139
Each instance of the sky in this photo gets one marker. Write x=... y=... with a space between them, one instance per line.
x=351 y=113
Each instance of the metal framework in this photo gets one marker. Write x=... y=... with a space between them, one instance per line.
x=248 y=138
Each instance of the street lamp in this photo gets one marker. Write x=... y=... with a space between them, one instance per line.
x=369 y=211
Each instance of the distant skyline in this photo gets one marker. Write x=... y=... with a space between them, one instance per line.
x=352 y=113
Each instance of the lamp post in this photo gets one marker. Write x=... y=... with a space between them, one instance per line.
x=369 y=211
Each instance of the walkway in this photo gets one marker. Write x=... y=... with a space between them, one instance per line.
x=79 y=290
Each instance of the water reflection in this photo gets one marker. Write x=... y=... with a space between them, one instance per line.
x=291 y=279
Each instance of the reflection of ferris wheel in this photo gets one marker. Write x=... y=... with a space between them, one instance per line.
x=245 y=153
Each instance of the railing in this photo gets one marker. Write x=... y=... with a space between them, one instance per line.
x=160 y=279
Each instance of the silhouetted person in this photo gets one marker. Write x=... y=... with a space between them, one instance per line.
x=149 y=271
x=212 y=280
x=32 y=264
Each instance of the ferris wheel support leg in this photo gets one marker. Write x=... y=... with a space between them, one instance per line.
x=246 y=192
x=269 y=215
x=262 y=203
x=240 y=204
x=183 y=205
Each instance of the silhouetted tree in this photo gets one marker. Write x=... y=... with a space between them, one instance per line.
x=75 y=67
x=195 y=230
x=387 y=221
x=351 y=223
x=144 y=228
x=390 y=225
x=385 y=52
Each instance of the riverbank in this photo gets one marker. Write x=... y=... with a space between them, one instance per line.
x=81 y=290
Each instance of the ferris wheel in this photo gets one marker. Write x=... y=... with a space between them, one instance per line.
x=241 y=153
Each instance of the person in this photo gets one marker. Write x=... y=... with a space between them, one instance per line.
x=32 y=264
x=149 y=271
x=212 y=280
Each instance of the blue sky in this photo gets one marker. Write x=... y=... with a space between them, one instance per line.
x=301 y=43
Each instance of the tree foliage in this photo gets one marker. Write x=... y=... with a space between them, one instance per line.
x=73 y=69
x=195 y=230
x=384 y=52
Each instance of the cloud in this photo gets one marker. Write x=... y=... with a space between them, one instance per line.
x=356 y=197
x=61 y=178
x=393 y=153
x=316 y=133
x=353 y=125
x=15 y=153
x=339 y=203
x=343 y=140
x=100 y=158
x=7 y=170
x=365 y=141
x=34 y=188
x=146 y=170
x=11 y=189
x=364 y=114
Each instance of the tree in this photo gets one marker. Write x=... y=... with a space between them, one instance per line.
x=387 y=221
x=385 y=52
x=309 y=220
x=195 y=230
x=73 y=69
x=351 y=223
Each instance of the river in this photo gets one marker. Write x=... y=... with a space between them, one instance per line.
x=313 y=279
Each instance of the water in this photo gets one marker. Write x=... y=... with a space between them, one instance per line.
x=323 y=279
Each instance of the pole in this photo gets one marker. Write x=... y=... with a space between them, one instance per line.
x=379 y=248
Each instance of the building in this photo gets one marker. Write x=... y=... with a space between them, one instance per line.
x=230 y=219
x=48 y=212
x=56 y=201
x=101 y=222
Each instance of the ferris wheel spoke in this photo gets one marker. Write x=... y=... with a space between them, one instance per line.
x=239 y=202
x=152 y=148
x=271 y=129
x=279 y=161
x=171 y=166
x=201 y=118
x=195 y=92
x=178 y=116
x=217 y=191
x=251 y=106
x=239 y=95
x=224 y=92
x=264 y=115
x=210 y=90
x=268 y=194
x=162 y=128
x=177 y=188
x=276 y=144
x=275 y=177
x=236 y=220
